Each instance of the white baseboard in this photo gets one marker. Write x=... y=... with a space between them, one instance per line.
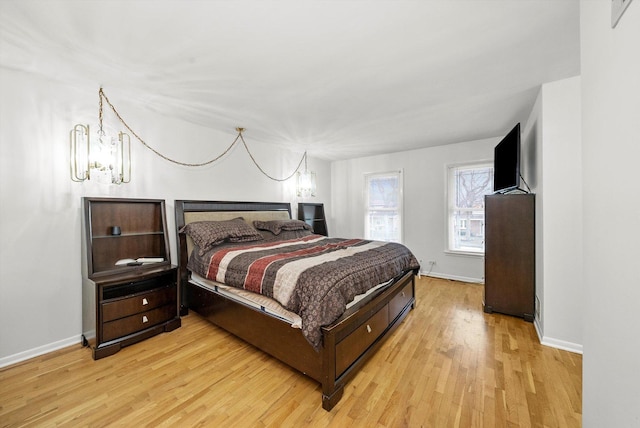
x=536 y=324
x=561 y=344
x=40 y=350
x=556 y=343
x=452 y=277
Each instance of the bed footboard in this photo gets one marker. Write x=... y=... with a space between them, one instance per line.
x=355 y=337
x=347 y=344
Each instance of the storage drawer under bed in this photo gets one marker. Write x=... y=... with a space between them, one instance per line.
x=348 y=350
x=357 y=342
x=400 y=301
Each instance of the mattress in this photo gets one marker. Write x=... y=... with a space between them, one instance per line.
x=263 y=303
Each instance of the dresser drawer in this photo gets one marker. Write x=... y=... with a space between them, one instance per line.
x=138 y=303
x=131 y=324
x=360 y=339
x=400 y=301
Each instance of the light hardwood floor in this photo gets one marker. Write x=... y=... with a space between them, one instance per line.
x=448 y=364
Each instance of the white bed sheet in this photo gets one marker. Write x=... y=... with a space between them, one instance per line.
x=263 y=303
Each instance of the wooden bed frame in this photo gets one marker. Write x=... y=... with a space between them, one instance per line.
x=347 y=343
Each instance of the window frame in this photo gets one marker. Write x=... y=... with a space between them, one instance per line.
x=450 y=207
x=399 y=174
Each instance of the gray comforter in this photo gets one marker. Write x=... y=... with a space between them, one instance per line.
x=313 y=276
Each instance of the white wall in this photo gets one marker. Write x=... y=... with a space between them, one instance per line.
x=561 y=238
x=611 y=152
x=532 y=157
x=552 y=149
x=424 y=201
x=40 y=212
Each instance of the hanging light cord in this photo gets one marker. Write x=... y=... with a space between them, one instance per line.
x=102 y=96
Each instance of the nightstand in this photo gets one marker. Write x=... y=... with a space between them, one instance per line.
x=313 y=215
x=126 y=302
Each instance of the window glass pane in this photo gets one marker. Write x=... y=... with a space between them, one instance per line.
x=383 y=206
x=468 y=185
x=468 y=230
x=383 y=193
x=472 y=185
x=384 y=226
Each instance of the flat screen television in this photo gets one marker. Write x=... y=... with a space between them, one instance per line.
x=506 y=162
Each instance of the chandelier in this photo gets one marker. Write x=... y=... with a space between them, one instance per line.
x=106 y=157
x=306 y=181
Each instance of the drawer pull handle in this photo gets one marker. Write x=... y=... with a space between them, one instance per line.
x=145 y=319
x=368 y=328
x=145 y=301
x=403 y=294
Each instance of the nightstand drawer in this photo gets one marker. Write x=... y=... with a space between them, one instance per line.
x=143 y=302
x=131 y=324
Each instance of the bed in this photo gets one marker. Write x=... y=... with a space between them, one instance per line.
x=334 y=352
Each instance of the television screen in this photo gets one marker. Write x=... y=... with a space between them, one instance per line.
x=506 y=162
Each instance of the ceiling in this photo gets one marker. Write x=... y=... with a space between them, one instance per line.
x=340 y=79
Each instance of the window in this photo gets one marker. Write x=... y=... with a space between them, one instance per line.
x=383 y=206
x=467 y=186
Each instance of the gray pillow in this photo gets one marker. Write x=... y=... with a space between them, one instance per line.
x=208 y=234
x=277 y=226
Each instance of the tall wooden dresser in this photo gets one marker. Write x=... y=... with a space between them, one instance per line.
x=509 y=283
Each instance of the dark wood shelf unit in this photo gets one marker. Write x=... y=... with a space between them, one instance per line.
x=510 y=255
x=124 y=304
x=313 y=215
